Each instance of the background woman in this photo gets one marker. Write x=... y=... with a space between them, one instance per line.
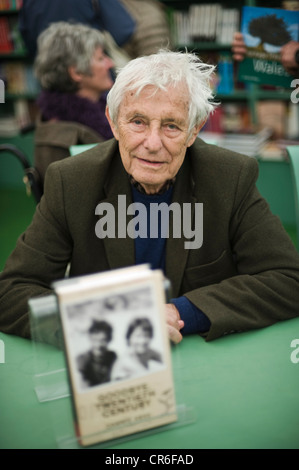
x=75 y=75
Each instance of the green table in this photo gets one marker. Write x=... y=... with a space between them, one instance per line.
x=242 y=391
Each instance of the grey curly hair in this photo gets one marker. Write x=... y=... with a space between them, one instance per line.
x=60 y=46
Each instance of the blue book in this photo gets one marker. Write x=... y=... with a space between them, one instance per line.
x=265 y=31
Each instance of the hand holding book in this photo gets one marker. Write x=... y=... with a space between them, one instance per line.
x=289 y=57
x=270 y=37
x=238 y=46
x=289 y=53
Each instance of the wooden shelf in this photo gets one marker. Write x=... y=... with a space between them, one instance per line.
x=16 y=96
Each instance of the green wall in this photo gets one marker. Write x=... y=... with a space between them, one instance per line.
x=275 y=184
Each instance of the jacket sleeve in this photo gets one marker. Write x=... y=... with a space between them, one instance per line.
x=265 y=288
x=42 y=253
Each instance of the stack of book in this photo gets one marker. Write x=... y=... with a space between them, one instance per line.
x=247 y=144
x=205 y=23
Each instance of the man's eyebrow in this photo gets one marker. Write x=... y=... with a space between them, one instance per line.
x=135 y=114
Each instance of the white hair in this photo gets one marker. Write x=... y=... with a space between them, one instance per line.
x=163 y=70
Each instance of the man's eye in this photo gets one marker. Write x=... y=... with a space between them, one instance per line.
x=173 y=128
x=137 y=123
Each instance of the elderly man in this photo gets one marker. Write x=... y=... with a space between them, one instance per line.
x=244 y=274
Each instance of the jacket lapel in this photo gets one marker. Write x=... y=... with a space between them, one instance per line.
x=119 y=250
x=176 y=253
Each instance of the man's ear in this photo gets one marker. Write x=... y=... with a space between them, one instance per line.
x=112 y=125
x=194 y=133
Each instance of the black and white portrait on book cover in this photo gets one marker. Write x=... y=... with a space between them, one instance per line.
x=118 y=354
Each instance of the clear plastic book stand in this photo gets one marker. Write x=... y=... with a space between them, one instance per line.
x=50 y=379
x=51 y=384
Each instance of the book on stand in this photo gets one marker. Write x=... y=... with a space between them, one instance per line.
x=265 y=31
x=117 y=352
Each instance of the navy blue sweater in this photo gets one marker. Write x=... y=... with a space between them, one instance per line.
x=152 y=251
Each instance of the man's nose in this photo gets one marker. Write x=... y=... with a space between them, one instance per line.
x=153 y=140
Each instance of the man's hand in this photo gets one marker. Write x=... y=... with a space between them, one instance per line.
x=238 y=47
x=174 y=323
x=287 y=53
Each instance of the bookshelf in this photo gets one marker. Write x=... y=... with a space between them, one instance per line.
x=240 y=102
x=19 y=86
x=19 y=90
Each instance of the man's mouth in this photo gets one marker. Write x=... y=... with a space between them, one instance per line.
x=150 y=163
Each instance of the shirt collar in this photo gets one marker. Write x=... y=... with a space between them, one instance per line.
x=139 y=187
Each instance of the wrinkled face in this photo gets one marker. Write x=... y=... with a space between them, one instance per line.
x=152 y=130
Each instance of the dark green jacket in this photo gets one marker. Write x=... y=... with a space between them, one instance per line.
x=244 y=276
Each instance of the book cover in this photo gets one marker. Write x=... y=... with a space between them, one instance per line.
x=265 y=31
x=117 y=352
